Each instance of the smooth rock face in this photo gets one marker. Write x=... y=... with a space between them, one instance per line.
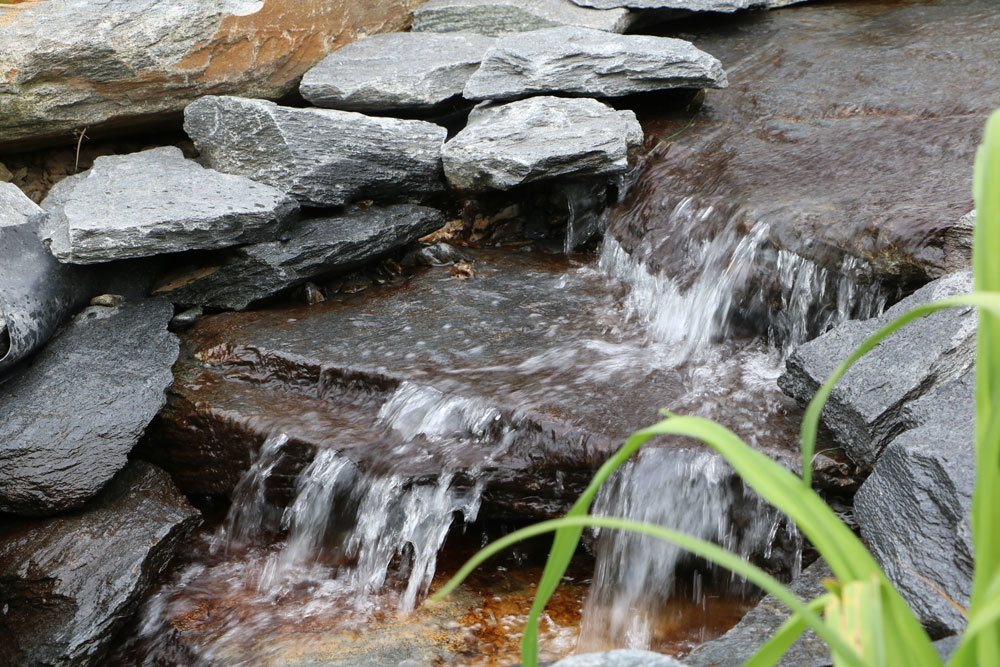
x=403 y=71
x=867 y=407
x=130 y=62
x=322 y=157
x=540 y=138
x=67 y=584
x=69 y=420
x=157 y=202
x=913 y=511
x=585 y=62
x=501 y=17
x=620 y=658
x=311 y=248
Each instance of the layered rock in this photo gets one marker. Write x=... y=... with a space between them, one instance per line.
x=501 y=17
x=723 y=6
x=68 y=584
x=70 y=419
x=157 y=202
x=309 y=249
x=593 y=63
x=403 y=71
x=540 y=138
x=322 y=157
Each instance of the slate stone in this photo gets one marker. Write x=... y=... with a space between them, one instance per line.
x=866 y=409
x=157 y=202
x=310 y=249
x=68 y=583
x=913 y=511
x=619 y=658
x=540 y=138
x=402 y=71
x=501 y=17
x=584 y=62
x=69 y=419
x=322 y=157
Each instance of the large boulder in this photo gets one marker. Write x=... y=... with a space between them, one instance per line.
x=69 y=583
x=592 y=63
x=157 y=202
x=69 y=420
x=322 y=157
x=72 y=64
x=402 y=71
x=501 y=17
x=310 y=249
x=540 y=138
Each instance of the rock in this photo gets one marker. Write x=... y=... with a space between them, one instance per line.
x=913 y=511
x=584 y=62
x=740 y=643
x=726 y=6
x=116 y=64
x=186 y=318
x=69 y=583
x=322 y=157
x=619 y=658
x=101 y=380
x=107 y=300
x=157 y=202
x=540 y=138
x=403 y=71
x=867 y=408
x=501 y=17
x=310 y=249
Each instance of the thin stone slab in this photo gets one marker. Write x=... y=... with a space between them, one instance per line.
x=310 y=249
x=322 y=157
x=592 y=63
x=157 y=202
x=402 y=71
x=540 y=138
x=501 y=17
x=724 y=6
x=69 y=420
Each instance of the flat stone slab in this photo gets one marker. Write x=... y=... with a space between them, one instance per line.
x=724 y=6
x=69 y=583
x=402 y=71
x=322 y=157
x=501 y=17
x=540 y=138
x=157 y=202
x=592 y=63
x=309 y=249
x=69 y=420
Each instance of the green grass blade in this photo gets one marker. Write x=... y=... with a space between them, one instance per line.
x=777 y=646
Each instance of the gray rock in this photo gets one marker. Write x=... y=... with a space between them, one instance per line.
x=15 y=207
x=585 y=62
x=727 y=6
x=67 y=584
x=501 y=17
x=746 y=637
x=312 y=248
x=69 y=420
x=402 y=71
x=866 y=409
x=540 y=138
x=913 y=511
x=619 y=658
x=322 y=157
x=157 y=202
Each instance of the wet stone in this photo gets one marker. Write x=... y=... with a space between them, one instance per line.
x=619 y=658
x=500 y=17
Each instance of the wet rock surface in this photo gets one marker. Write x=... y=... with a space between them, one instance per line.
x=322 y=157
x=540 y=138
x=67 y=584
x=69 y=419
x=157 y=202
x=619 y=658
x=501 y=17
x=403 y=71
x=584 y=62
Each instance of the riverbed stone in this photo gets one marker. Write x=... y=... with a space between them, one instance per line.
x=156 y=202
x=322 y=157
x=723 y=6
x=584 y=62
x=540 y=138
x=867 y=408
x=619 y=658
x=501 y=17
x=69 y=583
x=309 y=249
x=403 y=71
x=69 y=420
